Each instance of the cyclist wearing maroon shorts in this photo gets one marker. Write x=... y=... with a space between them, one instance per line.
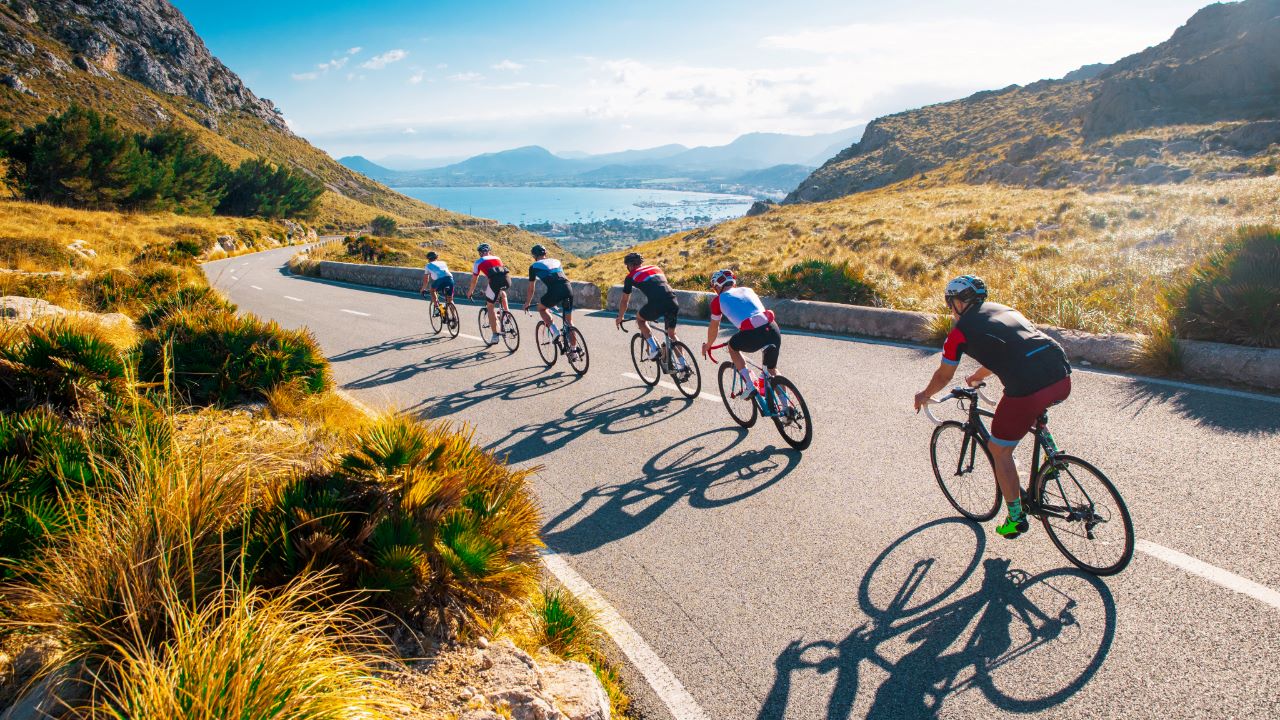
x=1031 y=365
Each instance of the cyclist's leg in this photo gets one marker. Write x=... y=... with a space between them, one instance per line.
x=566 y=307
x=773 y=344
x=1013 y=419
x=490 y=300
x=741 y=342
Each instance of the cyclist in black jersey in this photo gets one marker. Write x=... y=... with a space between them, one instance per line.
x=1031 y=365
x=660 y=300
x=558 y=291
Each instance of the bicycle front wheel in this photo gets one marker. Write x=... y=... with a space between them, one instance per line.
x=576 y=352
x=546 y=346
x=791 y=414
x=648 y=370
x=451 y=319
x=510 y=332
x=437 y=322
x=737 y=396
x=486 y=330
x=963 y=468
x=685 y=371
x=1084 y=515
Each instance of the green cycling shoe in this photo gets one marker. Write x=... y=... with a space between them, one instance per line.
x=1013 y=528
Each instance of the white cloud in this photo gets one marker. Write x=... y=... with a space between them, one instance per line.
x=410 y=131
x=508 y=65
x=378 y=62
x=302 y=77
x=335 y=64
x=355 y=50
x=417 y=77
x=466 y=77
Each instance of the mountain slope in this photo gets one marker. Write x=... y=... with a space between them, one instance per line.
x=1192 y=106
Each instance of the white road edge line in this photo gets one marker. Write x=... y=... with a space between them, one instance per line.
x=354 y=312
x=290 y=297
x=664 y=683
x=255 y=287
x=672 y=386
x=1212 y=573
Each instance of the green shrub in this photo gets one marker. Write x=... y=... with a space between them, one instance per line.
x=61 y=366
x=417 y=516
x=822 y=280
x=132 y=289
x=192 y=297
x=383 y=226
x=1234 y=296
x=258 y=188
x=218 y=356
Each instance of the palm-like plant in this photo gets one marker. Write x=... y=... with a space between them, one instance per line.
x=61 y=366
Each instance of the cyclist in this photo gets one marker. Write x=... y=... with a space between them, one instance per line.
x=558 y=292
x=1031 y=365
x=756 y=326
x=436 y=278
x=660 y=301
x=499 y=280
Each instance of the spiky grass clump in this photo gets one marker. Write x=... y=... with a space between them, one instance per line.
x=1234 y=296
x=188 y=298
x=564 y=625
x=937 y=327
x=58 y=364
x=822 y=280
x=418 y=516
x=285 y=656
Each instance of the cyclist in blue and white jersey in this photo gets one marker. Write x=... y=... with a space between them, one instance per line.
x=558 y=292
x=436 y=278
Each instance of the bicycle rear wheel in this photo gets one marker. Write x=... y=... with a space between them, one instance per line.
x=546 y=346
x=792 y=414
x=737 y=396
x=510 y=332
x=648 y=370
x=685 y=371
x=1084 y=515
x=451 y=319
x=576 y=352
x=964 y=470
x=486 y=330
x=437 y=322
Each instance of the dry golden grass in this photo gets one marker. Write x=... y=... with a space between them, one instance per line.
x=1093 y=261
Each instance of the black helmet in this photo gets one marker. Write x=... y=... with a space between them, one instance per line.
x=967 y=289
x=431 y=256
x=538 y=251
x=633 y=258
x=483 y=248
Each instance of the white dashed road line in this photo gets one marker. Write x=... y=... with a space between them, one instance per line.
x=672 y=386
x=255 y=287
x=664 y=682
x=290 y=297
x=354 y=312
x=1212 y=573
x=470 y=337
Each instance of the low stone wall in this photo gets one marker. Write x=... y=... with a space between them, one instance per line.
x=1217 y=362
x=585 y=295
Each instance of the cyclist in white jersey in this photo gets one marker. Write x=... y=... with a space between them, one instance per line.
x=757 y=328
x=436 y=278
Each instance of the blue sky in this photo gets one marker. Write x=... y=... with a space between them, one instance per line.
x=432 y=79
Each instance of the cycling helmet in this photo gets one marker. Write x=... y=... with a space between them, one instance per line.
x=484 y=249
x=432 y=256
x=966 y=289
x=723 y=279
x=633 y=258
x=538 y=251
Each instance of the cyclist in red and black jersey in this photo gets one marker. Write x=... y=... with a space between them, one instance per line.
x=1031 y=365
x=659 y=300
x=499 y=279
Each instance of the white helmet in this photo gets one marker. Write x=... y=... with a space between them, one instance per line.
x=722 y=279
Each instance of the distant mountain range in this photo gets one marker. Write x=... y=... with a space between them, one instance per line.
x=764 y=164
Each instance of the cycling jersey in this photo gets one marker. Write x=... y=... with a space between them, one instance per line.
x=437 y=270
x=1004 y=342
x=743 y=308
x=652 y=283
x=548 y=271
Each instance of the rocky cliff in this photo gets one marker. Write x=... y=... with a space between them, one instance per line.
x=1201 y=104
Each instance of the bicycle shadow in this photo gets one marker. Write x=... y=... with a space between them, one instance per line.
x=460 y=358
x=701 y=469
x=407 y=342
x=1026 y=644
x=1219 y=412
x=518 y=384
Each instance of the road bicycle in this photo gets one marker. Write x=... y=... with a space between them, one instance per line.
x=551 y=347
x=443 y=315
x=1077 y=504
x=510 y=330
x=772 y=396
x=674 y=358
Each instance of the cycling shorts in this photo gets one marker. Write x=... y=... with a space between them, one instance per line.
x=444 y=286
x=669 y=312
x=491 y=295
x=1016 y=415
x=748 y=341
x=558 y=294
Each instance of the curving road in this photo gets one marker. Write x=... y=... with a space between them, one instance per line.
x=839 y=583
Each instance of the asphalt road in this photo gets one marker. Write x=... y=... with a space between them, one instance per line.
x=839 y=583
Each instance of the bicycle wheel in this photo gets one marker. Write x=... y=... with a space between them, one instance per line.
x=510 y=332
x=437 y=322
x=546 y=346
x=648 y=370
x=451 y=319
x=576 y=352
x=685 y=371
x=1084 y=515
x=792 y=418
x=486 y=331
x=963 y=468
x=737 y=396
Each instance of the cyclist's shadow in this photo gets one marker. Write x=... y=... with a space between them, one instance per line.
x=521 y=383
x=701 y=468
x=451 y=359
x=1025 y=643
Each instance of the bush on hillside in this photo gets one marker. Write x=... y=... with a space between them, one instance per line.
x=133 y=289
x=218 y=356
x=258 y=188
x=61 y=366
x=1234 y=296
x=192 y=298
x=823 y=280
x=428 y=524
x=383 y=226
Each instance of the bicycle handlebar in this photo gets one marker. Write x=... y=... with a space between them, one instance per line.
x=711 y=357
x=957 y=392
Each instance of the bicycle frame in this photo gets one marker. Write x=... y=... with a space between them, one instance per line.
x=664 y=347
x=770 y=397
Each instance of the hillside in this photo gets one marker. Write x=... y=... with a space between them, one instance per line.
x=141 y=61
x=1202 y=105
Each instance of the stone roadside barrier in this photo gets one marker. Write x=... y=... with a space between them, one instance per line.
x=1216 y=362
x=585 y=295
